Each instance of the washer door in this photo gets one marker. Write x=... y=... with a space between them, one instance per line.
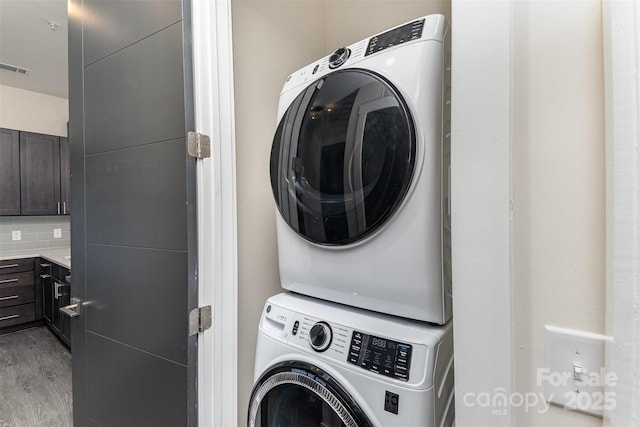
x=296 y=394
x=343 y=157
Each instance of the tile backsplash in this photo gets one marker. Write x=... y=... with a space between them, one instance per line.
x=36 y=232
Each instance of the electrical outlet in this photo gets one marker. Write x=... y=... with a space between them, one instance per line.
x=16 y=235
x=57 y=233
x=575 y=376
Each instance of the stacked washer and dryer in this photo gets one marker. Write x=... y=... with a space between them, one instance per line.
x=360 y=173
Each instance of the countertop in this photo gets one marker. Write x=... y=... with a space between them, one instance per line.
x=61 y=256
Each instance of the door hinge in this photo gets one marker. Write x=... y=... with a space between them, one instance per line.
x=198 y=145
x=199 y=320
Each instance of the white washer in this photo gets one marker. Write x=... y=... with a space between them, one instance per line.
x=360 y=174
x=322 y=363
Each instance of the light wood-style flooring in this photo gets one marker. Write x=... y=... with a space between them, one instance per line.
x=35 y=380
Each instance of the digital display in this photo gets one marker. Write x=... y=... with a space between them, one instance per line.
x=378 y=342
x=376 y=354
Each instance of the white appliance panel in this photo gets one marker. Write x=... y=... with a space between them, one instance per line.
x=425 y=399
x=398 y=269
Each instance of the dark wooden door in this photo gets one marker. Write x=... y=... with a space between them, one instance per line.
x=9 y=172
x=39 y=174
x=133 y=213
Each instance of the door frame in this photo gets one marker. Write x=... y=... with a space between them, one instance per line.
x=217 y=229
x=481 y=101
x=621 y=32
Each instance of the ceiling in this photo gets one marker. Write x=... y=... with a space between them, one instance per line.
x=27 y=41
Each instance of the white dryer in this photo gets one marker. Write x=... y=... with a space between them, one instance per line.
x=324 y=364
x=359 y=172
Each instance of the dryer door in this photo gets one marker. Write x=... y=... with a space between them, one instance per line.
x=343 y=157
x=300 y=394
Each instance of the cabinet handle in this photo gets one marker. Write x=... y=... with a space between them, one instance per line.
x=58 y=208
x=8 y=298
x=45 y=276
x=8 y=281
x=57 y=292
x=13 y=316
x=64 y=208
x=9 y=265
x=45 y=265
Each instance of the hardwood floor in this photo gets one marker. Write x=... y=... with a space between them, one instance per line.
x=35 y=380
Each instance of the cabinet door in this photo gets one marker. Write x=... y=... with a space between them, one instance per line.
x=64 y=325
x=57 y=303
x=9 y=172
x=65 y=177
x=47 y=298
x=39 y=174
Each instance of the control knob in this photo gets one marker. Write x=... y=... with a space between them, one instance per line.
x=320 y=336
x=339 y=57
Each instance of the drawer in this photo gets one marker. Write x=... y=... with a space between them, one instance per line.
x=16 y=279
x=17 y=314
x=54 y=270
x=16 y=296
x=16 y=265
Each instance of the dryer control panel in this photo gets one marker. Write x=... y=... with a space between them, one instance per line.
x=381 y=355
x=396 y=36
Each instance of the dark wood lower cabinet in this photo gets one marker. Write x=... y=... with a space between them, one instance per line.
x=18 y=296
x=16 y=314
x=56 y=293
x=33 y=290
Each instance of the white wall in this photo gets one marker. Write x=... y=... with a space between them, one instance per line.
x=270 y=40
x=32 y=111
x=558 y=185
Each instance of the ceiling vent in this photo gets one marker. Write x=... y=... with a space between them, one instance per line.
x=13 y=68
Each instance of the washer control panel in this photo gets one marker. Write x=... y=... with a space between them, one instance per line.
x=381 y=355
x=375 y=354
x=329 y=340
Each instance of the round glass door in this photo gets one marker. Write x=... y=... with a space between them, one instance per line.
x=299 y=395
x=343 y=157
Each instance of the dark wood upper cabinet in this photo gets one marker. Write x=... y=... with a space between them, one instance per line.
x=65 y=177
x=34 y=174
x=9 y=172
x=40 y=174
